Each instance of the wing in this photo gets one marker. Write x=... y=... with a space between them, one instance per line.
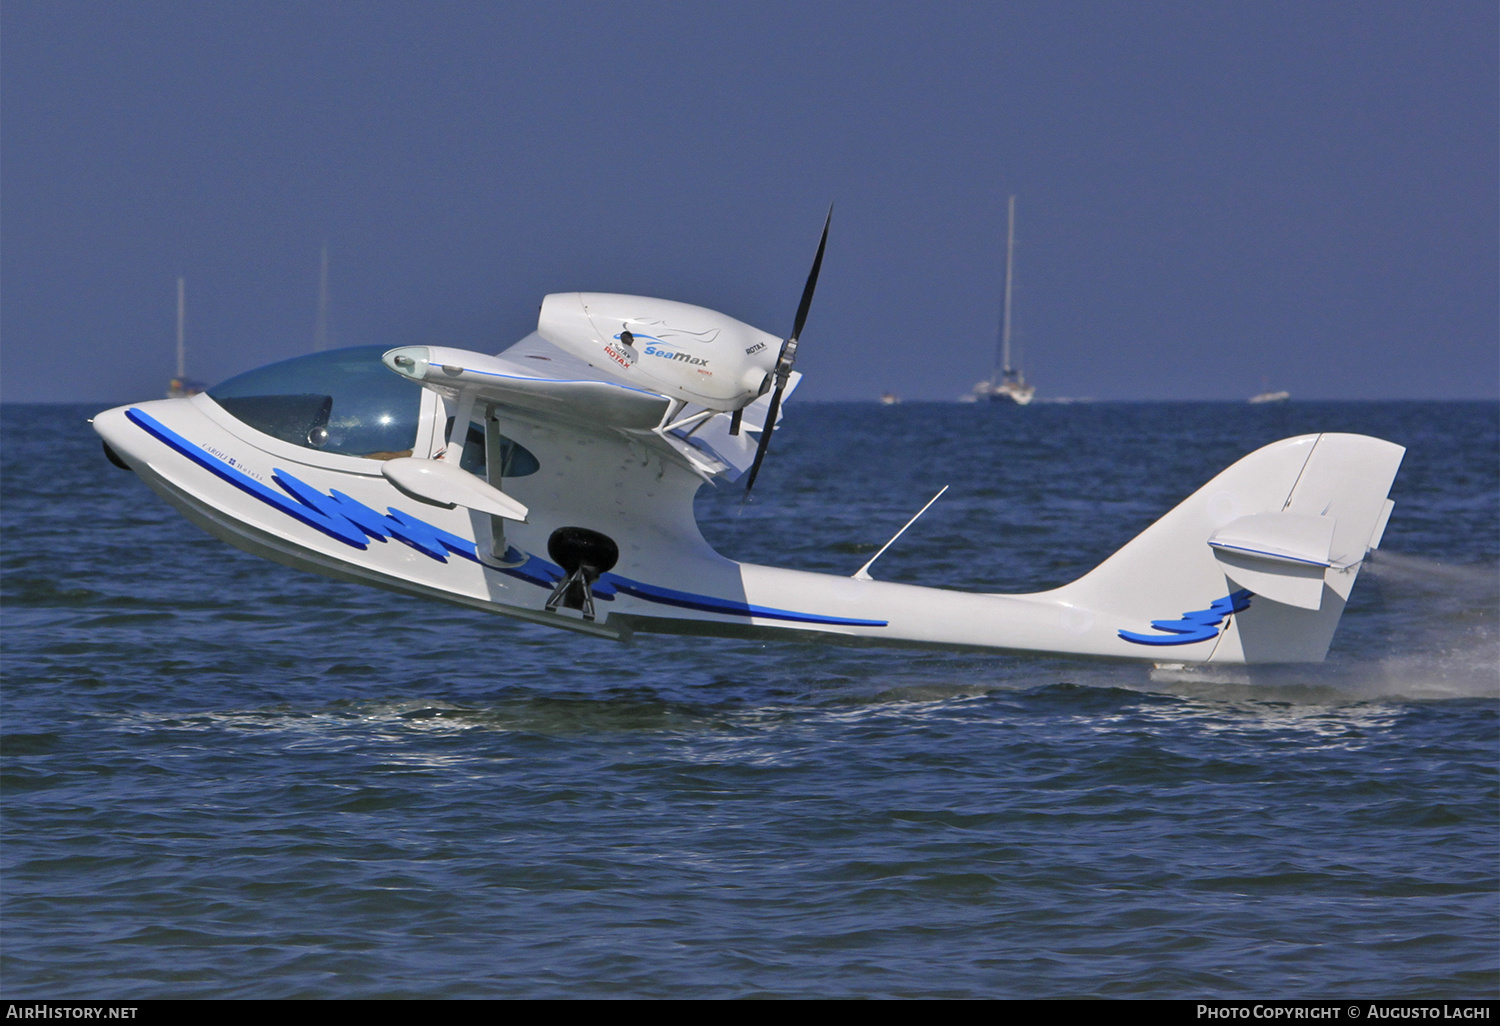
x=536 y=380
x=532 y=378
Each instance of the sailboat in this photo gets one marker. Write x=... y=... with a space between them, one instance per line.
x=320 y=335
x=1006 y=383
x=182 y=386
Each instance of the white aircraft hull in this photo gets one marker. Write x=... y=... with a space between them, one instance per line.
x=1180 y=592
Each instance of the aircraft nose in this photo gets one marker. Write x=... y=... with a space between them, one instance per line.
x=124 y=443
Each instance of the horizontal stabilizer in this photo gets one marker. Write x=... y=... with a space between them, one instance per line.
x=443 y=484
x=1281 y=556
x=1277 y=537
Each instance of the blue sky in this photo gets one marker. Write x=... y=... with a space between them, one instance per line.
x=1209 y=194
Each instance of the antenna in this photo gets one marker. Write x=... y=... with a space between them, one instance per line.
x=181 y=323
x=863 y=573
x=320 y=336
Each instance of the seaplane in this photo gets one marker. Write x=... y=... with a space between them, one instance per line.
x=553 y=482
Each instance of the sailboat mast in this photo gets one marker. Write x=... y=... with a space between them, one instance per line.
x=320 y=339
x=1010 y=252
x=181 y=324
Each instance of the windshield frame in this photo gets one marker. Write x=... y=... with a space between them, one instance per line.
x=429 y=417
x=342 y=400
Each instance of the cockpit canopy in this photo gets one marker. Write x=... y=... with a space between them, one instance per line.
x=342 y=400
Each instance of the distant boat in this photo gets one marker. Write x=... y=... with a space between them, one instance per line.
x=1006 y=383
x=182 y=386
x=889 y=399
x=1268 y=396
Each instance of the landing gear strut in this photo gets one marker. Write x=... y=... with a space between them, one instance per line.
x=585 y=555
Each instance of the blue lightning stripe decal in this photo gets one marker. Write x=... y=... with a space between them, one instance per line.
x=355 y=524
x=1200 y=625
x=543 y=574
x=336 y=515
x=336 y=527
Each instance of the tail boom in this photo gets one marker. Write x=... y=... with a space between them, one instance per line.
x=1254 y=567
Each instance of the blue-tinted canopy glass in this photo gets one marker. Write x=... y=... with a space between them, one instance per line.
x=344 y=400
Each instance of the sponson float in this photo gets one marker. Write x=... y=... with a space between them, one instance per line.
x=554 y=483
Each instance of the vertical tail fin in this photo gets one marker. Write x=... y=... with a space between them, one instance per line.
x=1259 y=562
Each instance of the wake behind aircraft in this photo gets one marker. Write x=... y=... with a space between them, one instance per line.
x=554 y=482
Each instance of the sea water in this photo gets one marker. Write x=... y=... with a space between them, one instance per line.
x=224 y=778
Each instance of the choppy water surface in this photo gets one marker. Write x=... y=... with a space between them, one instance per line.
x=225 y=778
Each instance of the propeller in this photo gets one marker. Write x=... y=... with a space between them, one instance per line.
x=788 y=356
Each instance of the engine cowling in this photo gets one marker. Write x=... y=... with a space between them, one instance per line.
x=683 y=351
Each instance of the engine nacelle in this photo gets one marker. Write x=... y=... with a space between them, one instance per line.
x=683 y=351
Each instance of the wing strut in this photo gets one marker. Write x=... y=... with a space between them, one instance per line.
x=500 y=554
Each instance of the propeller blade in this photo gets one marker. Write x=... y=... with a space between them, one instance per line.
x=788 y=356
x=812 y=282
x=765 y=436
